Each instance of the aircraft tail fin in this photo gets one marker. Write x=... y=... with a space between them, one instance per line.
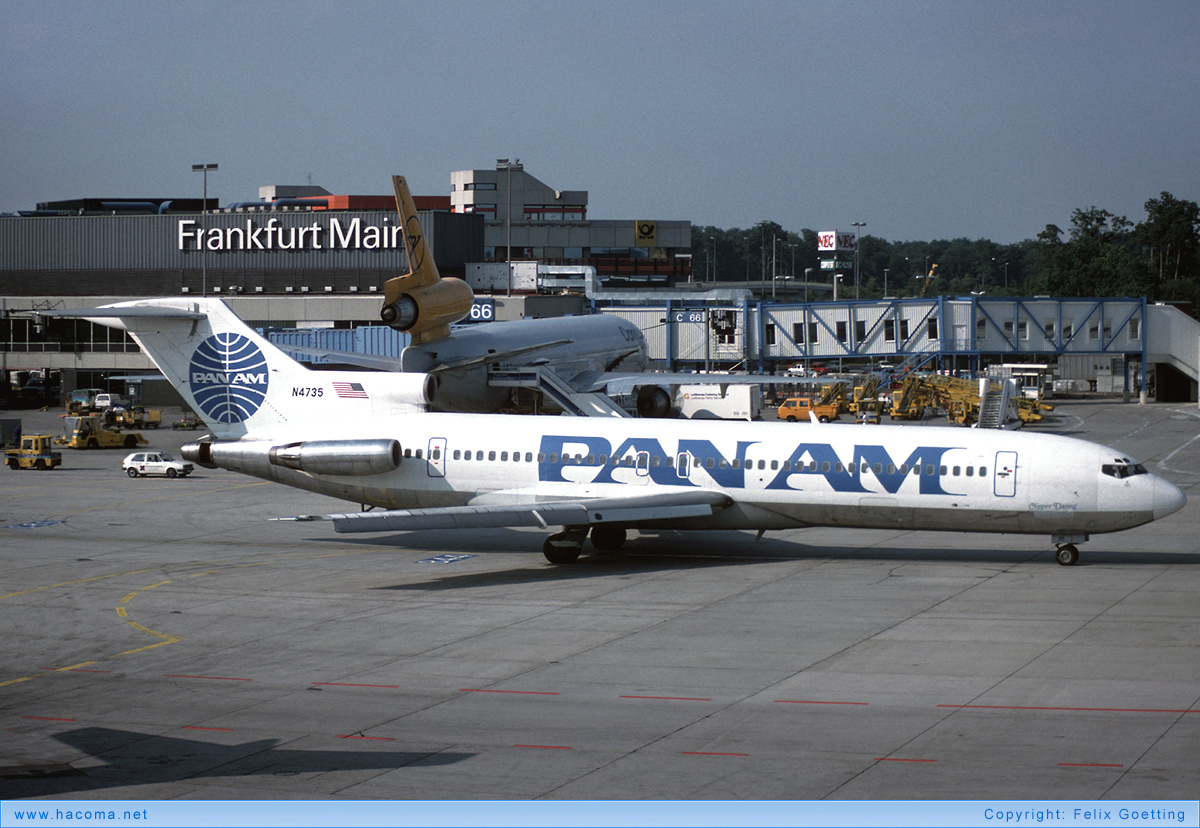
x=233 y=378
x=420 y=302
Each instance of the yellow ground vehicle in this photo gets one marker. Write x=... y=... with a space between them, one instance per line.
x=189 y=422
x=138 y=417
x=35 y=452
x=796 y=409
x=868 y=413
x=89 y=431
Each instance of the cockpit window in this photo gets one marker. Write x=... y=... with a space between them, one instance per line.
x=1123 y=467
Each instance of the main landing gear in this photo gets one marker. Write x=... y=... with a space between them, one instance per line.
x=564 y=547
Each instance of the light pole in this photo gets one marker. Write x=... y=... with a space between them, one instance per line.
x=205 y=169
x=505 y=164
x=774 y=266
x=856 y=225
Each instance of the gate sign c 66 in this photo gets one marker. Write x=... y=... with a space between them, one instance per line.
x=482 y=310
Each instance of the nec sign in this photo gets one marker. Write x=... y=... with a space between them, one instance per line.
x=831 y=240
x=808 y=460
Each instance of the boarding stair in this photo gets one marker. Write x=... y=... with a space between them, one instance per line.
x=558 y=391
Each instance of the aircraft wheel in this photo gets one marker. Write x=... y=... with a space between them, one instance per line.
x=171 y=472
x=1067 y=554
x=608 y=538
x=563 y=547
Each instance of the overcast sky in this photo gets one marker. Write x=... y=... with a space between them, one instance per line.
x=926 y=120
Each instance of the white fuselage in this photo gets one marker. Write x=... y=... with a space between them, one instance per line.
x=778 y=475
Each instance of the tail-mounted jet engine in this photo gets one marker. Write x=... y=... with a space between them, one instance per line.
x=421 y=302
x=334 y=457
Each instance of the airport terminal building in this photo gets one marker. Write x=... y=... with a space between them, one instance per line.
x=301 y=257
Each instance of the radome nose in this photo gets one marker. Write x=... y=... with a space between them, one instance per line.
x=1168 y=499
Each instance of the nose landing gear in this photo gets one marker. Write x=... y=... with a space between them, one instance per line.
x=1067 y=552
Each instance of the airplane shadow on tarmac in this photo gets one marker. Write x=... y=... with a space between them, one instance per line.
x=140 y=759
x=674 y=550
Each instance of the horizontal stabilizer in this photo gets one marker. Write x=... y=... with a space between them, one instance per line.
x=619 y=511
x=123 y=313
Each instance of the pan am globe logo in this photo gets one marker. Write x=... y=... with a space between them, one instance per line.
x=228 y=378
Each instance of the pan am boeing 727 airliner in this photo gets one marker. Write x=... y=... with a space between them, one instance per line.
x=271 y=418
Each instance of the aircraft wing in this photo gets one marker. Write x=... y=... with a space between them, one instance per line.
x=386 y=363
x=619 y=382
x=624 y=511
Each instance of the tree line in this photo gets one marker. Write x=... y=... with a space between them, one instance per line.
x=1099 y=255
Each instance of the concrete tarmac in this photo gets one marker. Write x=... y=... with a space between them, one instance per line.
x=164 y=639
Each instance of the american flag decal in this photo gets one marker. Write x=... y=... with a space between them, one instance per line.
x=350 y=390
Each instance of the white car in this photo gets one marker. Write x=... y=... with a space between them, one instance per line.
x=141 y=463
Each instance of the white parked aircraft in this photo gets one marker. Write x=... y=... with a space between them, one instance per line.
x=271 y=418
x=572 y=361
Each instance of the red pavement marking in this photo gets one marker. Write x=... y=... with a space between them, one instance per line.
x=666 y=698
x=212 y=678
x=1070 y=709
x=516 y=692
x=47 y=719
x=344 y=684
x=801 y=701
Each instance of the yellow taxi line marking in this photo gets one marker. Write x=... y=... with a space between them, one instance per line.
x=167 y=638
x=74 y=583
x=147 y=647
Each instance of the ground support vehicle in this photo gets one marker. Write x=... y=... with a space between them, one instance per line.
x=868 y=413
x=35 y=452
x=797 y=409
x=82 y=400
x=10 y=431
x=190 y=422
x=89 y=431
x=959 y=398
x=138 y=417
x=720 y=402
x=142 y=463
